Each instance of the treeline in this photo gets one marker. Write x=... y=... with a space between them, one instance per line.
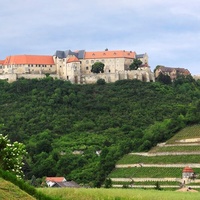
x=80 y=131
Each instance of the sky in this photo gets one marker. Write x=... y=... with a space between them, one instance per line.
x=167 y=30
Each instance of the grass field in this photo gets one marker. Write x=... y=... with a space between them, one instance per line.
x=9 y=191
x=132 y=159
x=118 y=194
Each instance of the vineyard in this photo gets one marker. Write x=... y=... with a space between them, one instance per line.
x=186 y=133
x=176 y=149
x=150 y=172
x=175 y=159
x=152 y=165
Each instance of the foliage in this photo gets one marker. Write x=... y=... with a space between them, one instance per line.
x=157 y=186
x=164 y=78
x=11 y=156
x=101 y=81
x=97 y=67
x=135 y=64
x=108 y=183
x=81 y=131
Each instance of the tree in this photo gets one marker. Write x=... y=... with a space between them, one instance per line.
x=108 y=183
x=97 y=67
x=135 y=64
x=11 y=156
x=101 y=81
x=164 y=78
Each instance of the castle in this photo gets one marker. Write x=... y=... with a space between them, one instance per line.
x=75 y=66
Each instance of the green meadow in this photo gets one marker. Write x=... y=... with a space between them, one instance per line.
x=118 y=194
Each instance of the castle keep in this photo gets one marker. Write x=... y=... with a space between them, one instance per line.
x=76 y=66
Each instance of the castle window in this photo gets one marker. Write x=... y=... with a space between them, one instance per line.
x=86 y=68
x=109 y=70
x=92 y=61
x=67 y=77
x=87 y=61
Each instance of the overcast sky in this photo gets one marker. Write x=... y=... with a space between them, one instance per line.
x=167 y=30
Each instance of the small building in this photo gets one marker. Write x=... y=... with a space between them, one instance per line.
x=172 y=72
x=50 y=181
x=188 y=172
x=60 y=182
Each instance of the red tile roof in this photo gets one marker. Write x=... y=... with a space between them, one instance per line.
x=73 y=59
x=55 y=179
x=109 y=54
x=1 y=62
x=188 y=170
x=29 y=59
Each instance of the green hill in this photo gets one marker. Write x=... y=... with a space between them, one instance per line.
x=12 y=192
x=163 y=163
x=81 y=131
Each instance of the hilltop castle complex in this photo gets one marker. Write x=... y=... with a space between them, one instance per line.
x=76 y=66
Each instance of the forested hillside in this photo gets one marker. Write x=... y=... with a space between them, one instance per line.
x=63 y=125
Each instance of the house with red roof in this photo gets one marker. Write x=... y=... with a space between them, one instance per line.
x=60 y=182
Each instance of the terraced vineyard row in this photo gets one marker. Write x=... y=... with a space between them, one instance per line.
x=175 y=149
x=175 y=159
x=150 y=172
x=188 y=132
x=145 y=183
x=161 y=163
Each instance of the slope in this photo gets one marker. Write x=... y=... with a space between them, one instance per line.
x=9 y=191
x=163 y=163
x=66 y=127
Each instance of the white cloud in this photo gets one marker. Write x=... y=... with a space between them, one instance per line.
x=167 y=30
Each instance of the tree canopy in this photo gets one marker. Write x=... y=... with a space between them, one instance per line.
x=135 y=64
x=97 y=67
x=80 y=131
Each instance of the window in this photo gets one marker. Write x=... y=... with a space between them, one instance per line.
x=87 y=61
x=86 y=68
x=92 y=61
